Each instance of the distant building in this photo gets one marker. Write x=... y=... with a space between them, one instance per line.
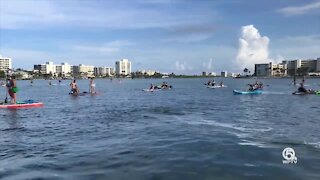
x=212 y=74
x=231 y=75
x=86 y=70
x=65 y=68
x=123 y=67
x=262 y=69
x=75 y=70
x=224 y=74
x=279 y=70
x=40 y=68
x=302 y=67
x=22 y=74
x=5 y=63
x=204 y=73
x=50 y=68
x=103 y=71
x=270 y=69
x=289 y=67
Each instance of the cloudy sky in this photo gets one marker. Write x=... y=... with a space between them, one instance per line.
x=181 y=36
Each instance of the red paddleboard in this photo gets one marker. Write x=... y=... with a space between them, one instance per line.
x=21 y=105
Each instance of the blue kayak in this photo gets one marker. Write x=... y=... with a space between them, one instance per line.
x=247 y=92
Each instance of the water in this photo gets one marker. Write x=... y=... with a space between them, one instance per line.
x=190 y=132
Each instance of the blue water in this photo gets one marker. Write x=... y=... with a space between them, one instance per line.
x=189 y=132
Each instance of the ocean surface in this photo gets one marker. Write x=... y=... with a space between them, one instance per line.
x=189 y=132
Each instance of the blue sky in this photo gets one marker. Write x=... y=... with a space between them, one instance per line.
x=181 y=36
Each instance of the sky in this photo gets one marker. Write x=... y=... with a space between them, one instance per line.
x=180 y=36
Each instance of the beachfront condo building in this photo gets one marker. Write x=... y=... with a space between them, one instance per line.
x=87 y=70
x=5 y=63
x=224 y=74
x=270 y=69
x=303 y=67
x=50 y=68
x=123 y=67
x=103 y=71
x=63 y=69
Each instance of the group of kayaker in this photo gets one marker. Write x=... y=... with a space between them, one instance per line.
x=213 y=83
x=164 y=85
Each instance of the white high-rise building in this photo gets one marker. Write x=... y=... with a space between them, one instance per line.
x=123 y=67
x=103 y=71
x=50 y=68
x=64 y=68
x=5 y=63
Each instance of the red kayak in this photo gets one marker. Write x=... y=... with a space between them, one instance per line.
x=25 y=104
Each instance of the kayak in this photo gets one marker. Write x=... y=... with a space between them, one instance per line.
x=306 y=93
x=215 y=87
x=247 y=92
x=22 y=104
x=151 y=90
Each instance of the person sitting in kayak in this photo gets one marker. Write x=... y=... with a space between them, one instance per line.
x=213 y=83
x=164 y=85
x=152 y=87
x=251 y=87
x=260 y=85
x=12 y=89
x=302 y=89
x=209 y=83
x=221 y=83
x=74 y=87
x=92 y=86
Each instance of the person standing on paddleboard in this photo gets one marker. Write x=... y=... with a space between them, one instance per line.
x=12 y=89
x=92 y=86
x=74 y=87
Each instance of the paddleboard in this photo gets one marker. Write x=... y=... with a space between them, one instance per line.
x=78 y=94
x=247 y=92
x=22 y=104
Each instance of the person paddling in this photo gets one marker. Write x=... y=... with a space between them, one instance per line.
x=12 y=89
x=92 y=86
x=302 y=88
x=74 y=87
x=151 y=87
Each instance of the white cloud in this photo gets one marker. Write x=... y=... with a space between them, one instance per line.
x=253 y=48
x=180 y=66
x=299 y=10
x=207 y=65
x=16 y=14
x=104 y=48
x=96 y=49
x=302 y=47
